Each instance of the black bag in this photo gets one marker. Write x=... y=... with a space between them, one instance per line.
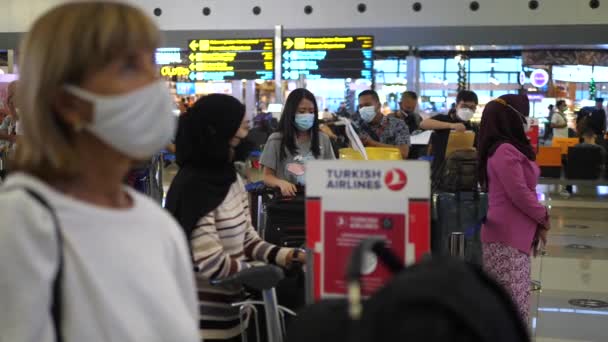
x=458 y=172
x=440 y=299
x=458 y=212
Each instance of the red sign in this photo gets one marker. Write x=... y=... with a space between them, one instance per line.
x=344 y=231
x=532 y=135
x=395 y=180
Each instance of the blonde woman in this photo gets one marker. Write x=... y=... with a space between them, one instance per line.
x=82 y=258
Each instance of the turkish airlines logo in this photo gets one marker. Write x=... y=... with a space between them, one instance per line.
x=395 y=179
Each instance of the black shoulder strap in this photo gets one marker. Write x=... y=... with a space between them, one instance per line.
x=57 y=293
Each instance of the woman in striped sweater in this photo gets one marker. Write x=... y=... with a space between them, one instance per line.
x=208 y=198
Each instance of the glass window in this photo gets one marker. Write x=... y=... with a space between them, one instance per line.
x=433 y=93
x=451 y=77
x=386 y=65
x=451 y=64
x=432 y=77
x=403 y=65
x=507 y=64
x=478 y=77
x=481 y=64
x=502 y=77
x=435 y=64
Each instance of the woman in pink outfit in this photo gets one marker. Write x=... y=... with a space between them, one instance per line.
x=516 y=221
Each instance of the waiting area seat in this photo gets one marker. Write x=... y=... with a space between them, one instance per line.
x=549 y=159
x=584 y=162
x=564 y=143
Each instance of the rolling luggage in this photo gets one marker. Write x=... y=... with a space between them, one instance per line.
x=285 y=221
x=460 y=212
x=282 y=222
x=440 y=299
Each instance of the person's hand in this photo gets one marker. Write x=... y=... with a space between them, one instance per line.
x=542 y=236
x=287 y=189
x=458 y=127
x=367 y=141
x=296 y=256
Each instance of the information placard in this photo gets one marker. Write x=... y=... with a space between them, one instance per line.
x=231 y=59
x=348 y=201
x=328 y=57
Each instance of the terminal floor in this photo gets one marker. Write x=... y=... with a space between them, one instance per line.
x=575 y=266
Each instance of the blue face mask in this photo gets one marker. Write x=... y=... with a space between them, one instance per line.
x=367 y=113
x=304 y=122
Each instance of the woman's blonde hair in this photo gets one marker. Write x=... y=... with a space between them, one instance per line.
x=64 y=46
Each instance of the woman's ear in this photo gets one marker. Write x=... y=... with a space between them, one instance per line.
x=74 y=112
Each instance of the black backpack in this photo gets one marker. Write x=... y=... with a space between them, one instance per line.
x=458 y=172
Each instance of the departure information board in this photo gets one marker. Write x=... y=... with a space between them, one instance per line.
x=231 y=59
x=328 y=57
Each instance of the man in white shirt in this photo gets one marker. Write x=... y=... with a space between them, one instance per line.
x=559 y=121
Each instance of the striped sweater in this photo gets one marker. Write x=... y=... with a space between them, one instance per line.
x=222 y=243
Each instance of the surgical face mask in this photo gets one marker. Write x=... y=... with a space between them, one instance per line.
x=138 y=124
x=367 y=113
x=465 y=114
x=304 y=122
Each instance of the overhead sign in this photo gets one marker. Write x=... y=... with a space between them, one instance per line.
x=339 y=214
x=170 y=71
x=185 y=88
x=231 y=59
x=165 y=56
x=328 y=57
x=539 y=78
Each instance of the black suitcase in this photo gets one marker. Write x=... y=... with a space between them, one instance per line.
x=284 y=225
x=460 y=212
x=285 y=221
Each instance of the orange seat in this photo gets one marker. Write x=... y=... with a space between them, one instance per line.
x=549 y=156
x=564 y=143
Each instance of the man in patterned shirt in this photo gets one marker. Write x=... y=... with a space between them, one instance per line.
x=377 y=130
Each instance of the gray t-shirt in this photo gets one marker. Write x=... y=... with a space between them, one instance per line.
x=292 y=167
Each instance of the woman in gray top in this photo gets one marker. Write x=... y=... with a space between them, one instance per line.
x=297 y=141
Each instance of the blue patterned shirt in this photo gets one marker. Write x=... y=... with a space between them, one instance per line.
x=390 y=130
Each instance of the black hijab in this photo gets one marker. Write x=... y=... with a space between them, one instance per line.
x=502 y=122
x=205 y=159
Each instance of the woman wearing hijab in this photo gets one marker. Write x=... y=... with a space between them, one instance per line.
x=516 y=221
x=208 y=199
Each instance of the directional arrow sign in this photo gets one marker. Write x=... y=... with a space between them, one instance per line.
x=286 y=75
x=193 y=45
x=287 y=55
x=192 y=76
x=192 y=57
x=192 y=66
x=286 y=65
x=288 y=43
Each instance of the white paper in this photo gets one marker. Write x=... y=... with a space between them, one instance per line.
x=422 y=138
x=353 y=137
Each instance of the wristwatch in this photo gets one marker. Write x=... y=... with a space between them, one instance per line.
x=296 y=254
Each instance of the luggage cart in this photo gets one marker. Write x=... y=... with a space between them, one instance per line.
x=263 y=279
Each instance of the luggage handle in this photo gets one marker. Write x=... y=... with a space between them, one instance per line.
x=354 y=272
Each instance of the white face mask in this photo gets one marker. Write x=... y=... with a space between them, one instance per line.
x=367 y=113
x=465 y=114
x=138 y=124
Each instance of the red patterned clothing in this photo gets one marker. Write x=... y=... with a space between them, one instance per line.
x=511 y=268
